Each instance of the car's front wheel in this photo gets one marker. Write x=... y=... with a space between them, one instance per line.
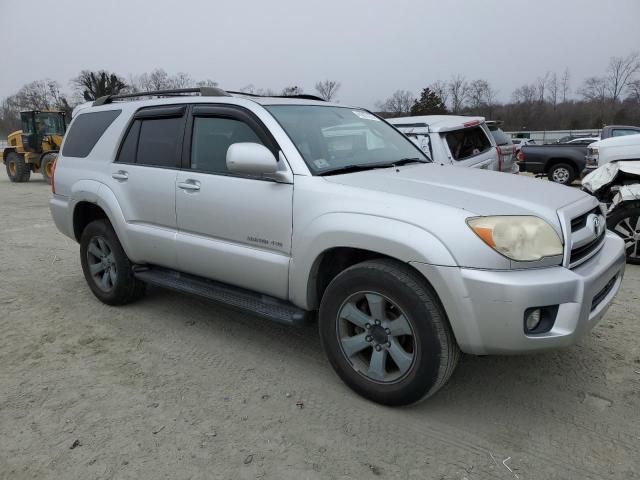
x=624 y=220
x=106 y=267
x=386 y=334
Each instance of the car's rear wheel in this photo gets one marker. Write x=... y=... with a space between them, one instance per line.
x=562 y=173
x=625 y=222
x=106 y=267
x=386 y=334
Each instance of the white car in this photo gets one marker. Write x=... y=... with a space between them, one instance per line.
x=583 y=141
x=613 y=149
x=521 y=142
x=452 y=139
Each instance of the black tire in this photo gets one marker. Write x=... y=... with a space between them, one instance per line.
x=124 y=287
x=562 y=173
x=624 y=221
x=17 y=169
x=434 y=350
x=46 y=164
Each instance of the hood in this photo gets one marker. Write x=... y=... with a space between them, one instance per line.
x=480 y=192
x=618 y=141
x=607 y=173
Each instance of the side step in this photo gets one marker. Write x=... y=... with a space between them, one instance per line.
x=235 y=297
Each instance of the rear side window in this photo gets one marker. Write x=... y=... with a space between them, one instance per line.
x=153 y=141
x=467 y=143
x=86 y=131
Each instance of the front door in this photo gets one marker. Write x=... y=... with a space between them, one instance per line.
x=231 y=228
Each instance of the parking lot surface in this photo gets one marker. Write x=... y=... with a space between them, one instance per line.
x=175 y=387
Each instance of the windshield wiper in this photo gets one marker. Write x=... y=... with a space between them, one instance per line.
x=370 y=166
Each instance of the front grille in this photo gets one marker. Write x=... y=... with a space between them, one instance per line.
x=581 y=221
x=603 y=293
x=583 y=251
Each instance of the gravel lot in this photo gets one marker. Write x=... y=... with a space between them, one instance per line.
x=173 y=387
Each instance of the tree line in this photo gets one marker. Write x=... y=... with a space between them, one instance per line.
x=548 y=103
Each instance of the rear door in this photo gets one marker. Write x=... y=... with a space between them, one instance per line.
x=470 y=147
x=143 y=179
x=232 y=228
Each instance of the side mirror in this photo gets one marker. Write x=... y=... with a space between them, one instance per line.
x=251 y=159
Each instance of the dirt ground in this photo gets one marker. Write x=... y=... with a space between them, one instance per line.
x=177 y=388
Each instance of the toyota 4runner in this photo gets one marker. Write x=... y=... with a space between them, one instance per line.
x=294 y=208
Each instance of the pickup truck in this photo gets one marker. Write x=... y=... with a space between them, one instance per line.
x=564 y=162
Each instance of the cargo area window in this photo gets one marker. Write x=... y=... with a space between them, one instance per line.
x=85 y=132
x=467 y=143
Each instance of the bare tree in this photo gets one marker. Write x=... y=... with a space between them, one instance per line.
x=594 y=89
x=634 y=91
x=524 y=94
x=541 y=85
x=458 y=88
x=92 y=85
x=328 y=89
x=564 y=84
x=399 y=103
x=440 y=89
x=207 y=83
x=553 y=88
x=480 y=93
x=620 y=73
x=181 y=80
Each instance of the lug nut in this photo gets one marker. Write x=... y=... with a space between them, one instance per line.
x=367 y=326
x=378 y=348
x=387 y=331
x=368 y=338
x=388 y=344
x=377 y=322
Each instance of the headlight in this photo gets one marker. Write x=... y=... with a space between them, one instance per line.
x=520 y=238
x=592 y=156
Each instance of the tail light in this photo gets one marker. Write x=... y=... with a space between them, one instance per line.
x=499 y=158
x=520 y=156
x=53 y=175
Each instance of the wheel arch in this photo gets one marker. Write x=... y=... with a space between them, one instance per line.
x=553 y=161
x=320 y=253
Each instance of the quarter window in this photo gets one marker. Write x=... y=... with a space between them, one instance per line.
x=212 y=137
x=85 y=132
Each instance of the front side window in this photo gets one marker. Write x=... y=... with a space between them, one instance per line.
x=467 y=143
x=158 y=142
x=337 y=138
x=212 y=137
x=621 y=132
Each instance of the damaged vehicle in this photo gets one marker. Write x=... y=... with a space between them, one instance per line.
x=617 y=185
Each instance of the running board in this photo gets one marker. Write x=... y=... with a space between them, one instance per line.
x=235 y=297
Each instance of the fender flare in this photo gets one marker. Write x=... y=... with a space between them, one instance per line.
x=387 y=236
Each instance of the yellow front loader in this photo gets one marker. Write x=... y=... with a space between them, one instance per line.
x=36 y=146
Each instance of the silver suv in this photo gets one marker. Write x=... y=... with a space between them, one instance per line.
x=294 y=208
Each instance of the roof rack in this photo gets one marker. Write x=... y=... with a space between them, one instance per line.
x=176 y=92
x=302 y=96
x=203 y=91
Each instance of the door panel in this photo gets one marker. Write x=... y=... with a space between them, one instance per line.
x=235 y=230
x=147 y=198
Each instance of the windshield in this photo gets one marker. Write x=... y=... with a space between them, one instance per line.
x=49 y=123
x=332 y=138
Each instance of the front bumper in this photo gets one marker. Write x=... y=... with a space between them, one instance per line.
x=486 y=307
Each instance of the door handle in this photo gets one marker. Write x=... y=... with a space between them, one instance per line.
x=189 y=185
x=120 y=175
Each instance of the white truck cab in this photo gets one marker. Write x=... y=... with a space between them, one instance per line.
x=452 y=139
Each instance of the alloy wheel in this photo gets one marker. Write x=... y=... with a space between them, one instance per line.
x=376 y=337
x=102 y=264
x=629 y=230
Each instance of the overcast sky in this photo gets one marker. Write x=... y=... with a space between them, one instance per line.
x=372 y=47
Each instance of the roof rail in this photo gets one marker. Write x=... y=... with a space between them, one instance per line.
x=302 y=96
x=203 y=91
